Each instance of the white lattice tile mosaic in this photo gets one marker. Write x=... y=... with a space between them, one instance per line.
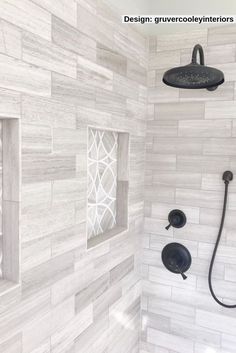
x=102 y=181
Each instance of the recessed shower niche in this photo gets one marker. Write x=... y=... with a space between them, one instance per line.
x=10 y=203
x=107 y=201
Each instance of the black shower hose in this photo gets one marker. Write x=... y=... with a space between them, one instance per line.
x=215 y=250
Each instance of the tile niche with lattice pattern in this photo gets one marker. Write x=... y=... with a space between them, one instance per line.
x=107 y=184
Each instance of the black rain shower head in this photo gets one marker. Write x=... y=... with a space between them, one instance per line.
x=194 y=75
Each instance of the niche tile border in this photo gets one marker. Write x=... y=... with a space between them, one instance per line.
x=10 y=204
x=122 y=188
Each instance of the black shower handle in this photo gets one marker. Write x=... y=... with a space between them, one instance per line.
x=169 y=225
x=181 y=272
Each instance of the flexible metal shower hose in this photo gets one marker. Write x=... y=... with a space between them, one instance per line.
x=215 y=250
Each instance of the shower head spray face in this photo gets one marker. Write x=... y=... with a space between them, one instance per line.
x=194 y=75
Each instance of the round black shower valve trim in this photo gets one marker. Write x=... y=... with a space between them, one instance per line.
x=176 y=258
x=227 y=177
x=177 y=219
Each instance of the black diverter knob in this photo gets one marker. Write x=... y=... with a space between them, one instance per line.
x=177 y=219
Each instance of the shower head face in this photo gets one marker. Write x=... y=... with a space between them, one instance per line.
x=194 y=76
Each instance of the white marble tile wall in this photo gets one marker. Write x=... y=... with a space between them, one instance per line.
x=65 y=65
x=190 y=142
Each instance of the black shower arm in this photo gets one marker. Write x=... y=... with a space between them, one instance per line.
x=198 y=48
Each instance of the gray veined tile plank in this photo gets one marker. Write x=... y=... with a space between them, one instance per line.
x=220 y=110
x=43 y=347
x=203 y=164
x=215 y=321
x=62 y=9
x=9 y=104
x=11 y=157
x=46 y=274
x=223 y=92
x=151 y=78
x=68 y=90
x=40 y=222
x=72 y=39
x=162 y=128
x=36 y=333
x=104 y=29
x=200 y=198
x=45 y=111
x=204 y=128
x=152 y=41
x=177 y=179
x=20 y=314
x=161 y=162
x=220 y=147
x=20 y=76
x=12 y=345
x=69 y=239
x=26 y=15
x=127 y=45
x=222 y=35
x=35 y=252
x=86 y=341
x=181 y=40
x=171 y=309
x=86 y=21
x=136 y=110
x=10 y=39
x=162 y=193
x=110 y=102
x=47 y=55
x=111 y=59
x=68 y=141
x=35 y=195
x=180 y=111
x=37 y=168
x=92 y=292
x=136 y=72
x=170 y=341
x=121 y=270
x=225 y=256
x=94 y=74
x=179 y=145
x=36 y=139
x=63 y=339
x=95 y=27
x=233 y=129
x=198 y=232
x=228 y=341
x=69 y=190
x=164 y=59
x=162 y=94
x=124 y=86
x=93 y=117
x=91 y=5
x=194 y=332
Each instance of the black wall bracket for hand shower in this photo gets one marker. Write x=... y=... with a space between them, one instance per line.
x=227 y=176
x=177 y=219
